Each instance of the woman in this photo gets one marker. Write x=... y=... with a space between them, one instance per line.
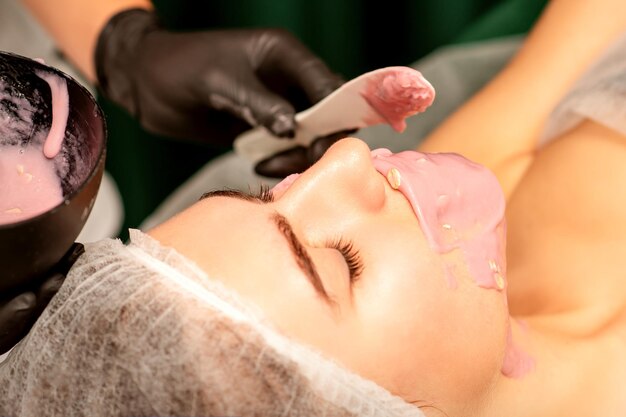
x=356 y=270
x=564 y=255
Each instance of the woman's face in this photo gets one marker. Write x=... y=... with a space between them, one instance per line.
x=338 y=260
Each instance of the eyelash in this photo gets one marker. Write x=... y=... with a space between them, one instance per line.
x=352 y=257
x=264 y=194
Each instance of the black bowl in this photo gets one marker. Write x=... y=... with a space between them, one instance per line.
x=30 y=248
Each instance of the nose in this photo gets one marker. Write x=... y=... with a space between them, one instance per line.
x=344 y=180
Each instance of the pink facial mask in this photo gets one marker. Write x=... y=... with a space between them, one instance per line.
x=459 y=205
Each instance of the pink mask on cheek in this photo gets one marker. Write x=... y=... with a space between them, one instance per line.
x=459 y=205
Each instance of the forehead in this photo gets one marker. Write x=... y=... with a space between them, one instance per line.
x=222 y=217
x=230 y=238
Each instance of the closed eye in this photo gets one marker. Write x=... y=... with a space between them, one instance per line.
x=351 y=256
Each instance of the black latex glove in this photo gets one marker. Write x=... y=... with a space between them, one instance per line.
x=190 y=85
x=19 y=313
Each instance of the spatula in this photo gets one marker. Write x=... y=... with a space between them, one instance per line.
x=386 y=95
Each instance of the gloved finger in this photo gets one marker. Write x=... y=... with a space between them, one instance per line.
x=251 y=101
x=15 y=319
x=200 y=125
x=290 y=161
x=70 y=258
x=19 y=314
x=47 y=290
x=298 y=159
x=295 y=61
x=320 y=145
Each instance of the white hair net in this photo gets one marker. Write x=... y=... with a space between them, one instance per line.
x=139 y=330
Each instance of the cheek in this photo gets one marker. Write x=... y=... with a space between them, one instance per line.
x=416 y=331
x=472 y=339
x=400 y=317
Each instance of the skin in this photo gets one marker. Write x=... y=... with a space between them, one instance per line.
x=75 y=25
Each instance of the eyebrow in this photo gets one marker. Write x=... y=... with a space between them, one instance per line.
x=302 y=257
x=300 y=253
x=232 y=194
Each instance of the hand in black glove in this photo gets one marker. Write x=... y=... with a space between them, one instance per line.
x=190 y=85
x=19 y=313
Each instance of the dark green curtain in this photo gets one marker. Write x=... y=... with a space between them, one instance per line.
x=351 y=36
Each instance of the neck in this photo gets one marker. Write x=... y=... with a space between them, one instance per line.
x=547 y=371
x=521 y=372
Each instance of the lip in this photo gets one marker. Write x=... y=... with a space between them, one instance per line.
x=458 y=203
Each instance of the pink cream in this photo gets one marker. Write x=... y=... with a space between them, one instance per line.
x=29 y=184
x=60 y=112
x=517 y=363
x=398 y=95
x=459 y=205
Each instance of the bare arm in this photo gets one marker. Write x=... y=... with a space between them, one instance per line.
x=76 y=24
x=499 y=127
